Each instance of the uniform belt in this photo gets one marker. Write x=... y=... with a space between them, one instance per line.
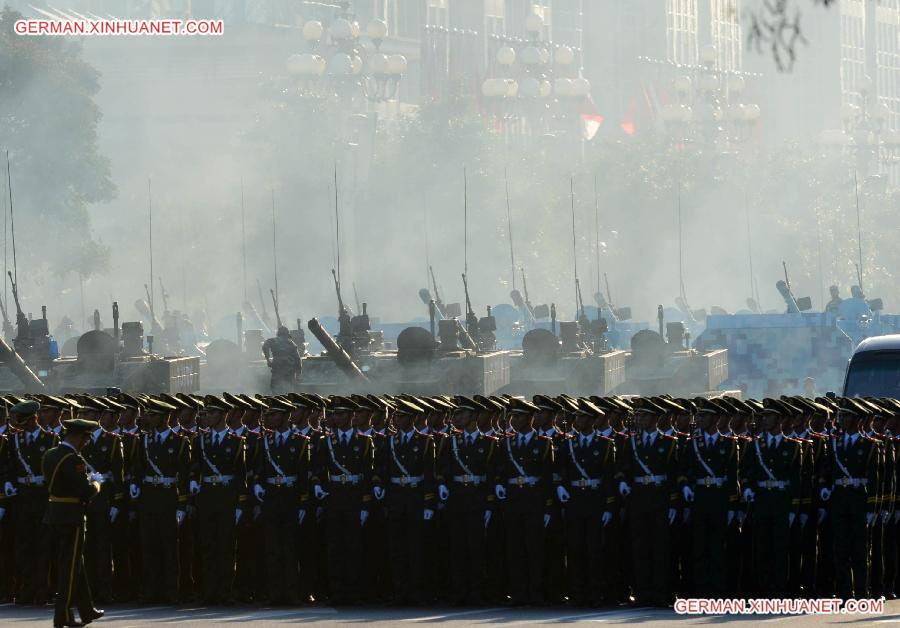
x=408 y=480
x=585 y=483
x=470 y=479
x=854 y=482
x=31 y=480
x=64 y=500
x=344 y=478
x=159 y=480
x=647 y=480
x=523 y=480
x=217 y=479
x=282 y=480
x=710 y=481
x=779 y=484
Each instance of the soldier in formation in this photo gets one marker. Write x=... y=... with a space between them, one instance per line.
x=301 y=499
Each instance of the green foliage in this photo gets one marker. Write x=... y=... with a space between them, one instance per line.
x=48 y=122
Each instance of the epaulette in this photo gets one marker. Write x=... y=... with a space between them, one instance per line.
x=604 y=438
x=300 y=436
x=669 y=436
x=546 y=438
x=791 y=439
x=678 y=434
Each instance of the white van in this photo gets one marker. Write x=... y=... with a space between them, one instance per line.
x=874 y=368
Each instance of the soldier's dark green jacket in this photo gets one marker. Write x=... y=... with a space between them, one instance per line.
x=721 y=457
x=784 y=461
x=68 y=486
x=104 y=454
x=166 y=488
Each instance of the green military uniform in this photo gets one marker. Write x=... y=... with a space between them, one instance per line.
x=853 y=473
x=649 y=465
x=282 y=472
x=711 y=464
x=773 y=472
x=33 y=540
x=69 y=491
x=103 y=456
x=344 y=469
x=162 y=467
x=588 y=465
x=126 y=528
x=219 y=471
x=7 y=537
x=249 y=577
x=466 y=468
x=406 y=465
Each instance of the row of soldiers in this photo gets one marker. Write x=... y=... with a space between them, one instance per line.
x=365 y=499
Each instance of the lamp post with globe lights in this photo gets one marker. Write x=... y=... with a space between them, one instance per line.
x=710 y=107
x=536 y=85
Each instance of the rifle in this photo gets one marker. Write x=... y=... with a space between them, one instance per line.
x=165 y=295
x=275 y=304
x=21 y=319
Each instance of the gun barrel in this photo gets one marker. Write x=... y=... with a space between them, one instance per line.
x=17 y=365
x=340 y=357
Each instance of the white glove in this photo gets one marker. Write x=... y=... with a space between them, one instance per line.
x=791 y=517
x=672 y=513
x=624 y=489
x=134 y=491
x=363 y=517
x=259 y=492
x=885 y=517
x=378 y=492
x=606 y=518
x=319 y=492
x=686 y=516
x=95 y=477
x=546 y=520
x=301 y=516
x=179 y=516
x=500 y=492
x=237 y=515
x=443 y=492
x=688 y=494
x=870 y=518
x=749 y=495
x=730 y=517
x=2 y=512
x=428 y=515
x=9 y=490
x=113 y=514
x=487 y=518
x=803 y=519
x=562 y=494
x=193 y=487
x=820 y=516
x=825 y=494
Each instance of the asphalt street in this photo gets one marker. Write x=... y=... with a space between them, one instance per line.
x=133 y=617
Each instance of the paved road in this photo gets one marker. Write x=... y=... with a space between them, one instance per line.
x=133 y=617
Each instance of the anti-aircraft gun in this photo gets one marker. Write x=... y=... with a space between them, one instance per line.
x=442 y=311
x=794 y=305
x=481 y=330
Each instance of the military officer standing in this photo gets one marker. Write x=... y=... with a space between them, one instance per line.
x=28 y=484
x=587 y=464
x=711 y=462
x=281 y=487
x=104 y=461
x=343 y=481
x=772 y=484
x=853 y=478
x=161 y=477
x=406 y=463
x=69 y=490
x=526 y=489
x=219 y=484
x=466 y=471
x=647 y=477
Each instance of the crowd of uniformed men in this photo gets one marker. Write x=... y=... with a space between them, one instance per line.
x=413 y=500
